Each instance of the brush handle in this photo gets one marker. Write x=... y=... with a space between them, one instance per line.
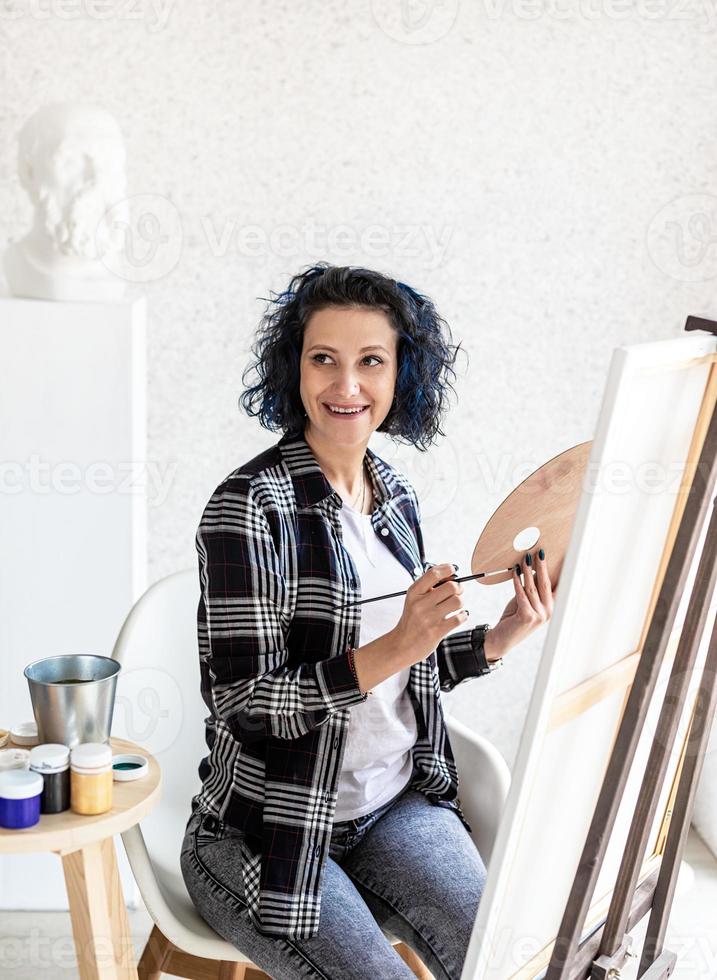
x=463 y=578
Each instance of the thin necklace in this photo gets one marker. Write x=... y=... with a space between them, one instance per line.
x=369 y=496
x=361 y=491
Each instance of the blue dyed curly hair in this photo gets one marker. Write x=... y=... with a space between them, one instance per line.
x=425 y=353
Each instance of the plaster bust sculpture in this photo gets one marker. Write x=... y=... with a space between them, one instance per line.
x=71 y=159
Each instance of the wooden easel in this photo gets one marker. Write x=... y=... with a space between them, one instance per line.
x=602 y=954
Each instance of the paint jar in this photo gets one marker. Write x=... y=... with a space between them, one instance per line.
x=25 y=733
x=126 y=768
x=14 y=759
x=52 y=762
x=91 y=778
x=20 y=793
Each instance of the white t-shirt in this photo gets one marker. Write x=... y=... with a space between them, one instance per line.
x=377 y=763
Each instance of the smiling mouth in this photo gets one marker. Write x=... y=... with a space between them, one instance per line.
x=345 y=411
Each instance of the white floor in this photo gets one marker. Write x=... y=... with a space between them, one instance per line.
x=38 y=945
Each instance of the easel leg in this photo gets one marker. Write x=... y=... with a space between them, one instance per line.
x=662 y=968
x=103 y=942
x=698 y=737
x=666 y=731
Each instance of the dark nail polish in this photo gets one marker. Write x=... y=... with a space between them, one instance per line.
x=517 y=570
x=529 y=559
x=541 y=554
x=455 y=566
x=467 y=612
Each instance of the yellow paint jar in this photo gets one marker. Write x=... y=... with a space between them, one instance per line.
x=91 y=778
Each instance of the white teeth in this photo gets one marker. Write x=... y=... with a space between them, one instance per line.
x=347 y=411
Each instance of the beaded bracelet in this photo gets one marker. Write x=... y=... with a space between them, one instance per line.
x=352 y=665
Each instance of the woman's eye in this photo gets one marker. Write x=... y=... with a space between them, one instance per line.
x=372 y=358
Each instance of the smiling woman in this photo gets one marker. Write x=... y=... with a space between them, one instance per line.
x=374 y=309
x=348 y=380
x=326 y=814
x=354 y=381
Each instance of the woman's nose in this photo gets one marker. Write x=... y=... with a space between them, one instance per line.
x=347 y=385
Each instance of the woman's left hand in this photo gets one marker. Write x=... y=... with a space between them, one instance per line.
x=530 y=607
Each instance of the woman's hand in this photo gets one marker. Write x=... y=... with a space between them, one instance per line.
x=530 y=607
x=423 y=623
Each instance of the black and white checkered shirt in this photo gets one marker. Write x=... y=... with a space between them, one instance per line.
x=274 y=634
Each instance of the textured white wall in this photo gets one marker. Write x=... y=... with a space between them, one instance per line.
x=544 y=171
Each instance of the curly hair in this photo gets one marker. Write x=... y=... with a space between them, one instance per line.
x=425 y=353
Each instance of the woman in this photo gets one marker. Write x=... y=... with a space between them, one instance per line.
x=326 y=814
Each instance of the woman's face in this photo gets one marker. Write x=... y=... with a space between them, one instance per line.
x=349 y=362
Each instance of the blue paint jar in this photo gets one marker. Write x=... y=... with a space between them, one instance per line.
x=20 y=792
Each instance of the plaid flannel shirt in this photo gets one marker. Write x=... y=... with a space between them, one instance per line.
x=274 y=635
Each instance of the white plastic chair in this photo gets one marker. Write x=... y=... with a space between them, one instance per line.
x=159 y=706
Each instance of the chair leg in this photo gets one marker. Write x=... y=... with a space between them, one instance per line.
x=231 y=971
x=413 y=961
x=161 y=956
x=240 y=971
x=155 y=956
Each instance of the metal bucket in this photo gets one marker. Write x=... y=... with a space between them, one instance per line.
x=73 y=697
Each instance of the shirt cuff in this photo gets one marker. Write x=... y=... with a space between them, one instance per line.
x=478 y=646
x=337 y=682
x=466 y=653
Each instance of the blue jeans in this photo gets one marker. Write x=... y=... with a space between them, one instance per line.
x=409 y=866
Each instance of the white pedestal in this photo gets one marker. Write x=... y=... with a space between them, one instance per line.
x=73 y=507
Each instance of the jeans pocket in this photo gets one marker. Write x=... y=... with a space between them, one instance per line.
x=212 y=830
x=190 y=831
x=204 y=829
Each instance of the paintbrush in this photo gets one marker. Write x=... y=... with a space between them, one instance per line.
x=463 y=578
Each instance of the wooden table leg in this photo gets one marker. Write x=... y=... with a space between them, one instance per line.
x=103 y=942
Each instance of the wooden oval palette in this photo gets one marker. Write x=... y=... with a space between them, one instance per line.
x=539 y=513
